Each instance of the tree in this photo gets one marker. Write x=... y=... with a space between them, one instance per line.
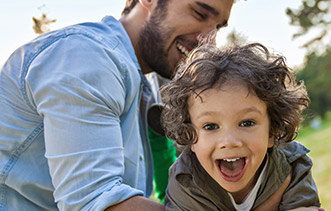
x=235 y=38
x=314 y=16
x=316 y=75
x=41 y=25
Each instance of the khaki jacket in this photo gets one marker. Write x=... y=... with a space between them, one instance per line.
x=191 y=188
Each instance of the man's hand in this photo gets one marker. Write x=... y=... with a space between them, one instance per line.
x=137 y=203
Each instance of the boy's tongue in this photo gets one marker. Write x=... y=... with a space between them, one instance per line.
x=232 y=169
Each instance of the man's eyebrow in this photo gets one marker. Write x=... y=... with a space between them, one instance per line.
x=208 y=8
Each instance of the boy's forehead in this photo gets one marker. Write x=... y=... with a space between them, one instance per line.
x=221 y=85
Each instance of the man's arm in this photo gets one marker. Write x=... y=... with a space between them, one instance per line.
x=137 y=203
x=81 y=101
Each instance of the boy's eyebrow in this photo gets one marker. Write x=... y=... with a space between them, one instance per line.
x=251 y=109
x=206 y=113
x=208 y=8
x=244 y=111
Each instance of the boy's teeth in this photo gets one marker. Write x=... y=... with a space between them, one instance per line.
x=182 y=49
x=231 y=160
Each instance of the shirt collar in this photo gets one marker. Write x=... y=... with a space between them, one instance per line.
x=122 y=35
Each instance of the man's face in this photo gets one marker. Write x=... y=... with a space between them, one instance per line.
x=172 y=32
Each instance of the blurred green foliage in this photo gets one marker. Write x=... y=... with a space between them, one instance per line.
x=317 y=77
x=314 y=16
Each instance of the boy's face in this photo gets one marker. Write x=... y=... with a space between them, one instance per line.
x=233 y=135
x=169 y=34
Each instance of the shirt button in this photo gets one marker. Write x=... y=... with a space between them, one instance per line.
x=141 y=157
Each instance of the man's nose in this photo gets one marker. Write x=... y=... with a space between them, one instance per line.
x=207 y=33
x=209 y=27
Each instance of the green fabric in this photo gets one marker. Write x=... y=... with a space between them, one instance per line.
x=164 y=155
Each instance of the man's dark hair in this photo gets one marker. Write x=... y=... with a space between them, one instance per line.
x=130 y=4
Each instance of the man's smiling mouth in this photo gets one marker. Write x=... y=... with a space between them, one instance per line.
x=183 y=49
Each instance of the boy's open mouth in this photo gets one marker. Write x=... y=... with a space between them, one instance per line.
x=232 y=169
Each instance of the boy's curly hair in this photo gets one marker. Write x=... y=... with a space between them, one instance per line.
x=264 y=74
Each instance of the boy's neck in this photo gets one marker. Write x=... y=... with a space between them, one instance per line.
x=240 y=196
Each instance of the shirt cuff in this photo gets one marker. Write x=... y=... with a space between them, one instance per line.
x=114 y=196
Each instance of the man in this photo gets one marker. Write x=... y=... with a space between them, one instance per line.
x=73 y=132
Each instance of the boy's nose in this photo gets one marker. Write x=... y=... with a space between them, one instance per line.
x=229 y=139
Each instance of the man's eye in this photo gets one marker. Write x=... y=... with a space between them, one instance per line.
x=201 y=16
x=247 y=123
x=210 y=127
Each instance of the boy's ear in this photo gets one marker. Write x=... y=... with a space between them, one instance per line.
x=271 y=141
x=192 y=148
x=148 y=4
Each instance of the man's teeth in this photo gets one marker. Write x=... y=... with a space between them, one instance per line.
x=182 y=49
x=231 y=160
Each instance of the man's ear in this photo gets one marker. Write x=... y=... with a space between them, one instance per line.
x=148 y=4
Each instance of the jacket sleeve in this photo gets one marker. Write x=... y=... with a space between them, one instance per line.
x=302 y=191
x=185 y=195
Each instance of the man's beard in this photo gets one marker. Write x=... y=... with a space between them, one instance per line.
x=151 y=45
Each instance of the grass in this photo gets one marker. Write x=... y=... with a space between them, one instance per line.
x=319 y=142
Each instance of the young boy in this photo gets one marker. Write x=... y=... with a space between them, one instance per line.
x=237 y=111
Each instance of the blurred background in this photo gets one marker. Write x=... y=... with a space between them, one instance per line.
x=297 y=29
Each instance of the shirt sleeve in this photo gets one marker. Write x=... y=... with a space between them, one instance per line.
x=76 y=87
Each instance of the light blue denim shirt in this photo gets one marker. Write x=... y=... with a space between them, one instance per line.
x=70 y=127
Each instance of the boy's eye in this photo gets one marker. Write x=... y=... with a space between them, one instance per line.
x=210 y=126
x=247 y=123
